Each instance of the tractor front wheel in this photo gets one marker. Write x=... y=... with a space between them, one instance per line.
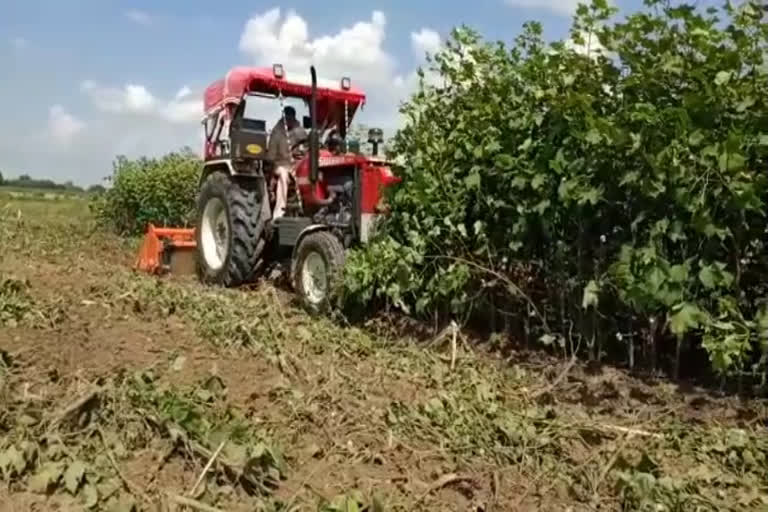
x=230 y=230
x=316 y=270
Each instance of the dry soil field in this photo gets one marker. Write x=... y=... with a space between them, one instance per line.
x=124 y=392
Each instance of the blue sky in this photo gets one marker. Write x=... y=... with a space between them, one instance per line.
x=84 y=80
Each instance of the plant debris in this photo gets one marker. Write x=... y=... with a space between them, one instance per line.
x=135 y=392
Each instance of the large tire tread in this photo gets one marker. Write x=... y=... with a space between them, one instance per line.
x=246 y=228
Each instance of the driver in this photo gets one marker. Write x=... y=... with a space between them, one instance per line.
x=279 y=151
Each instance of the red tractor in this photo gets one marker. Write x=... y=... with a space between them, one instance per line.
x=334 y=194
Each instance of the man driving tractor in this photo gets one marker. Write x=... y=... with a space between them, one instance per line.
x=279 y=151
x=238 y=231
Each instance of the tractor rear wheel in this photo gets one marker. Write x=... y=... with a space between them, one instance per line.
x=317 y=269
x=230 y=230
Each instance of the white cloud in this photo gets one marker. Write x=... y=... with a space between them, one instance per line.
x=183 y=92
x=139 y=99
x=357 y=50
x=590 y=46
x=134 y=99
x=62 y=125
x=139 y=17
x=177 y=111
x=425 y=41
x=560 y=7
x=129 y=99
x=133 y=119
x=19 y=43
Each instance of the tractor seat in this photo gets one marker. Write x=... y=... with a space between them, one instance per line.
x=254 y=125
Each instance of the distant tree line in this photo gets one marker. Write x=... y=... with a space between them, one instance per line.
x=26 y=181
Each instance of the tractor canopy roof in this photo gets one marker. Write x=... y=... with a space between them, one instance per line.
x=239 y=81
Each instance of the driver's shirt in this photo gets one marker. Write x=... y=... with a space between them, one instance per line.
x=279 y=150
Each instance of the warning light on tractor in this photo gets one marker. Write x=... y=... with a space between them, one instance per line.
x=346 y=83
x=277 y=70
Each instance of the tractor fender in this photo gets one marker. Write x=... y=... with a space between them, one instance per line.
x=312 y=228
x=224 y=166
x=212 y=166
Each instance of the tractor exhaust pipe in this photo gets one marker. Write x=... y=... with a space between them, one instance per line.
x=314 y=145
x=314 y=149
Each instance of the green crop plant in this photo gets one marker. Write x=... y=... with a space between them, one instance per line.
x=157 y=190
x=608 y=190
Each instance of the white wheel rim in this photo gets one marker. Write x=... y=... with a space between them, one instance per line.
x=314 y=278
x=214 y=233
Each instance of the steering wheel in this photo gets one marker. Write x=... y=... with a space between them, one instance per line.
x=333 y=139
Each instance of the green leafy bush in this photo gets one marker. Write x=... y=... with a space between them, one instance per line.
x=157 y=190
x=615 y=185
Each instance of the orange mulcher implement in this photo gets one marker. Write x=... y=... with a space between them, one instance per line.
x=160 y=251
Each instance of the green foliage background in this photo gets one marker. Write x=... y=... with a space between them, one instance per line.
x=157 y=190
x=611 y=198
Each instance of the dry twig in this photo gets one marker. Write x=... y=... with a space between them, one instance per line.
x=448 y=329
x=607 y=468
x=495 y=484
x=443 y=481
x=133 y=488
x=162 y=462
x=630 y=431
x=208 y=466
x=452 y=329
x=453 y=344
x=558 y=380
x=189 y=502
x=72 y=408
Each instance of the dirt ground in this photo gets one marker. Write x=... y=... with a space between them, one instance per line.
x=119 y=389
